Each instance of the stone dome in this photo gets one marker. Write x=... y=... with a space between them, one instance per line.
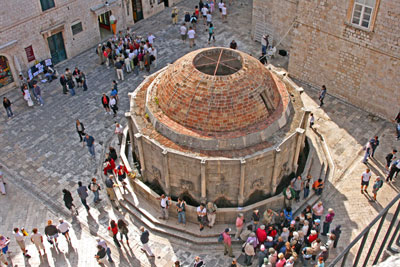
x=217 y=94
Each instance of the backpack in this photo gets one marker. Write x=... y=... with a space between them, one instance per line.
x=220 y=238
x=388 y=156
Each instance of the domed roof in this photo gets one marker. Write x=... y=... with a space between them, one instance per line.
x=217 y=90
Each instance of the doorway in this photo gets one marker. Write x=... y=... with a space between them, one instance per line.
x=137 y=10
x=57 y=48
x=104 y=25
x=166 y=4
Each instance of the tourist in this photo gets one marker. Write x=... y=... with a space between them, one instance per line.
x=318 y=210
x=144 y=238
x=95 y=188
x=174 y=16
x=244 y=235
x=82 y=77
x=389 y=157
x=105 y=100
x=239 y=225
x=89 y=140
x=113 y=105
x=374 y=144
x=368 y=150
x=113 y=231
x=101 y=255
x=187 y=17
x=331 y=241
x=123 y=230
x=211 y=33
x=147 y=61
x=224 y=13
x=177 y=264
x=119 y=131
x=311 y=120
x=204 y=11
x=7 y=106
x=76 y=74
x=135 y=61
x=51 y=232
x=306 y=187
x=249 y=252
x=80 y=129
x=255 y=219
x=113 y=154
x=253 y=237
x=233 y=45
x=63 y=228
x=119 y=67
x=328 y=220
x=261 y=234
x=82 y=193
x=297 y=185
x=394 y=169
x=227 y=243
x=261 y=255
x=337 y=233
x=68 y=201
x=198 y=262
x=365 y=177
x=211 y=213
x=100 y=54
x=273 y=256
x=289 y=194
x=164 y=205
x=282 y=261
x=181 y=209
x=193 y=20
x=4 y=242
x=318 y=186
x=320 y=262
x=209 y=19
x=183 y=32
x=110 y=187
x=103 y=243
x=27 y=96
x=38 y=93
x=20 y=238
x=264 y=44
x=220 y=5
x=377 y=185
x=37 y=239
x=202 y=216
x=191 y=35
x=322 y=95
x=71 y=86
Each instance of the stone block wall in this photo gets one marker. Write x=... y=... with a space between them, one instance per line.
x=357 y=65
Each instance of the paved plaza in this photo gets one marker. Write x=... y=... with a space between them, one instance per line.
x=41 y=154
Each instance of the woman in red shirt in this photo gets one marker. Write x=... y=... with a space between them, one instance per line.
x=113 y=229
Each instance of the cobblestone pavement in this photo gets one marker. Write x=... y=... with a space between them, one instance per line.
x=41 y=153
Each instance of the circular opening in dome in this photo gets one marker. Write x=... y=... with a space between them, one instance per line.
x=218 y=62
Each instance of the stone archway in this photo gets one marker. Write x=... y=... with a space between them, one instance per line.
x=6 y=76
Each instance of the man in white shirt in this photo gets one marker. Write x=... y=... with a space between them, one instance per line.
x=220 y=5
x=37 y=239
x=63 y=228
x=191 y=34
x=164 y=207
x=204 y=11
x=201 y=215
x=119 y=131
x=365 y=177
x=183 y=31
x=224 y=13
x=151 y=38
x=20 y=238
x=209 y=18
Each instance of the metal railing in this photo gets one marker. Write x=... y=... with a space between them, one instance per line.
x=364 y=235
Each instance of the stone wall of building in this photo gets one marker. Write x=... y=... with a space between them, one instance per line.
x=358 y=65
x=276 y=16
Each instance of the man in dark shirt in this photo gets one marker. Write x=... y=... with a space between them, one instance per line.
x=90 y=144
x=82 y=192
x=101 y=254
x=144 y=238
x=63 y=82
x=120 y=72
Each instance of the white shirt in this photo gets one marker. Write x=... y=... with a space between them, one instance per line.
x=209 y=17
x=63 y=227
x=164 y=202
x=204 y=10
x=223 y=10
x=183 y=30
x=131 y=55
x=191 y=34
x=113 y=102
x=102 y=243
x=119 y=129
x=220 y=5
x=19 y=236
x=151 y=39
x=204 y=210
x=37 y=238
x=366 y=176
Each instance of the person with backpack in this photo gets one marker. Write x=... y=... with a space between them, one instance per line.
x=105 y=100
x=389 y=157
x=181 y=209
x=123 y=230
x=227 y=243
x=95 y=188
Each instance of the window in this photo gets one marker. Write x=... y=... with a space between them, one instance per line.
x=362 y=13
x=47 y=4
x=76 y=28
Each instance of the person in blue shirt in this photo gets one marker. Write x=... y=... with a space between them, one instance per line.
x=89 y=140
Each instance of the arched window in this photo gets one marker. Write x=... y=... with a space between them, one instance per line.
x=5 y=72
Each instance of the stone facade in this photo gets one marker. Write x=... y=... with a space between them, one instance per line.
x=358 y=64
x=24 y=24
x=248 y=156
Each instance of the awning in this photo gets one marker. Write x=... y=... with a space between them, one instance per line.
x=103 y=8
x=10 y=43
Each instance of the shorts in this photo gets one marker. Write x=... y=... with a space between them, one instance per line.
x=106 y=106
x=183 y=36
x=53 y=236
x=364 y=183
x=21 y=244
x=65 y=232
x=220 y=10
x=204 y=16
x=375 y=190
x=39 y=246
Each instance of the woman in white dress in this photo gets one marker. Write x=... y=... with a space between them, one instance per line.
x=27 y=96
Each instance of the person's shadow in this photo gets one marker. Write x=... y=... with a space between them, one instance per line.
x=77 y=227
x=93 y=225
